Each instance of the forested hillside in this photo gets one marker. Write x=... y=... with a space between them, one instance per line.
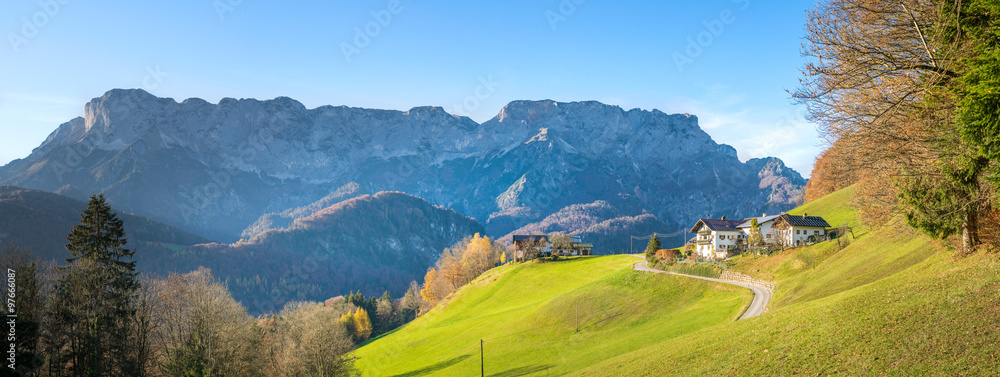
x=373 y=243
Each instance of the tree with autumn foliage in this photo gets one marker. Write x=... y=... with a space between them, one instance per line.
x=358 y=324
x=906 y=95
x=460 y=264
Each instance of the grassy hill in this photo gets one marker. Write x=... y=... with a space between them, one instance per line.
x=553 y=317
x=891 y=302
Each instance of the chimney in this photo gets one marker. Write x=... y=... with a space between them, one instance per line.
x=765 y=214
x=723 y=217
x=804 y=215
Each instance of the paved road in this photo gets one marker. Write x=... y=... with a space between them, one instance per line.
x=761 y=296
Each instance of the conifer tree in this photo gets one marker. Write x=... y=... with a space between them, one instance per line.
x=93 y=303
x=362 y=324
x=756 y=238
x=652 y=247
x=385 y=315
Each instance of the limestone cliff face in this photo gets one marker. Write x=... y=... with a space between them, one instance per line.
x=216 y=169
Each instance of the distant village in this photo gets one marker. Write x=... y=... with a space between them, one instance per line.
x=715 y=239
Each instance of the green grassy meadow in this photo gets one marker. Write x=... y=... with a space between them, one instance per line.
x=553 y=317
x=890 y=302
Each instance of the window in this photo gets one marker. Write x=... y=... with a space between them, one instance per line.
x=796 y=231
x=816 y=232
x=768 y=236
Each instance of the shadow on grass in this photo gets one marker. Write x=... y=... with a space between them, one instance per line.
x=523 y=371
x=381 y=336
x=434 y=368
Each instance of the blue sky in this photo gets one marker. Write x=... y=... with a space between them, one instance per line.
x=737 y=59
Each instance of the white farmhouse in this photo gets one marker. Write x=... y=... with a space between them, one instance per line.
x=795 y=230
x=716 y=237
x=765 y=223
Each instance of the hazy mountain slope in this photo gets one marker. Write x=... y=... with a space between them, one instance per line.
x=215 y=169
x=41 y=221
x=286 y=218
x=371 y=243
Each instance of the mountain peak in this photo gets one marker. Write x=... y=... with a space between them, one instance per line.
x=215 y=169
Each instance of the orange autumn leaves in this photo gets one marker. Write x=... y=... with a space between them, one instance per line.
x=460 y=264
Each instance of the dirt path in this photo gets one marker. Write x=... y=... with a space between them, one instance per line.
x=761 y=296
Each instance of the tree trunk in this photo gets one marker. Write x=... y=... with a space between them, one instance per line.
x=970 y=233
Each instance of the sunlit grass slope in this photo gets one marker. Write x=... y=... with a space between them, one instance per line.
x=891 y=302
x=835 y=209
x=551 y=317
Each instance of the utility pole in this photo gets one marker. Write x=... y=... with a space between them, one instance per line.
x=482 y=365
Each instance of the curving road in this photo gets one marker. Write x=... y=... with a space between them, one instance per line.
x=761 y=296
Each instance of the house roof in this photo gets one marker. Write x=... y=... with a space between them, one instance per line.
x=530 y=238
x=717 y=225
x=760 y=220
x=804 y=220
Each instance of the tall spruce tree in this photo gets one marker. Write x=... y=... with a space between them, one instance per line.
x=93 y=305
x=652 y=247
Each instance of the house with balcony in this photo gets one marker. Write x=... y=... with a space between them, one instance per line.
x=795 y=230
x=717 y=237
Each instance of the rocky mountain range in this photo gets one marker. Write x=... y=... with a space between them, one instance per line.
x=235 y=169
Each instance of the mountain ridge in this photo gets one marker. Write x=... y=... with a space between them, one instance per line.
x=215 y=169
